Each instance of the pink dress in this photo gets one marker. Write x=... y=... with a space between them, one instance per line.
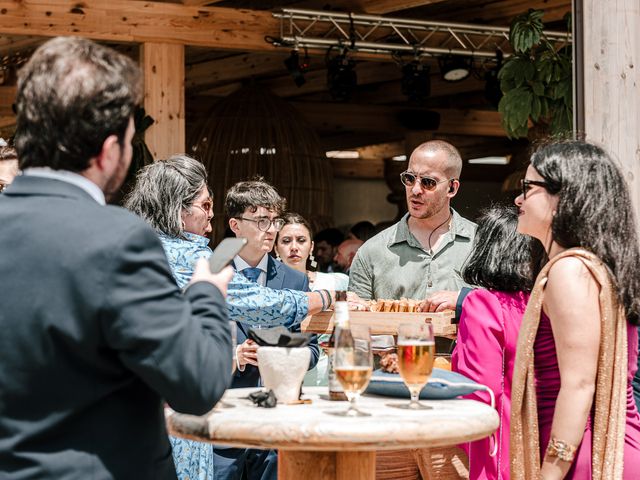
x=485 y=352
x=547 y=377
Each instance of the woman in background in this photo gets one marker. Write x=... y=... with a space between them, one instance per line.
x=573 y=413
x=500 y=266
x=293 y=247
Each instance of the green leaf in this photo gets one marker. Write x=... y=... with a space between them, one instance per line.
x=538 y=88
x=526 y=30
x=535 y=109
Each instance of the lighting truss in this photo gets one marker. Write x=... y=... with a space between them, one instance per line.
x=383 y=35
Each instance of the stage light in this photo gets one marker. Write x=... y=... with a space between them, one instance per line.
x=416 y=81
x=296 y=68
x=455 y=68
x=341 y=77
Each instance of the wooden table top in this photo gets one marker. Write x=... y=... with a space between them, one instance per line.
x=308 y=427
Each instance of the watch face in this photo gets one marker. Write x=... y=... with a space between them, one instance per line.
x=456 y=74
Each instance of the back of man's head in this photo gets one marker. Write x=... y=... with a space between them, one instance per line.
x=72 y=95
x=252 y=194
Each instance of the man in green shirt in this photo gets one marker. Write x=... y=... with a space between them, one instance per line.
x=421 y=256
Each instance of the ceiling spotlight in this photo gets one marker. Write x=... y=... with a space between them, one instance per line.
x=492 y=90
x=416 y=81
x=297 y=68
x=455 y=68
x=341 y=77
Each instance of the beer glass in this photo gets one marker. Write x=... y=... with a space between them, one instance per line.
x=353 y=364
x=416 y=353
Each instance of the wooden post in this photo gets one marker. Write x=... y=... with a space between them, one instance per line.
x=343 y=465
x=612 y=82
x=163 y=66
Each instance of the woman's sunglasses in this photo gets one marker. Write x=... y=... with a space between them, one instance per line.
x=527 y=184
x=409 y=180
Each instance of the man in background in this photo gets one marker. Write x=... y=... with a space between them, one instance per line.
x=254 y=208
x=325 y=248
x=345 y=253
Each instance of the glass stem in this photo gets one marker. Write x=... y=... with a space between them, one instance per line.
x=414 y=397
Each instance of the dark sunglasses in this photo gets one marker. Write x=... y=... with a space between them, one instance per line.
x=526 y=185
x=409 y=180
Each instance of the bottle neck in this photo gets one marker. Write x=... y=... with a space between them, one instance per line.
x=341 y=310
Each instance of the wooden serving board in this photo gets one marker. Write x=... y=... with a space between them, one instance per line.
x=383 y=323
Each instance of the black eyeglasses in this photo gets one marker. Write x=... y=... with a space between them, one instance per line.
x=264 y=223
x=527 y=184
x=428 y=183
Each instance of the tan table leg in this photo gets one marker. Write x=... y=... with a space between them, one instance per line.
x=294 y=465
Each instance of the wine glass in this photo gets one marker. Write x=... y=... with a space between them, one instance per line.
x=353 y=364
x=416 y=353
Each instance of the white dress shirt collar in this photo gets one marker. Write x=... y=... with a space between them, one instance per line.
x=69 y=177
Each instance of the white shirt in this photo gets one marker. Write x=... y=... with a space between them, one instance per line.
x=69 y=177
x=262 y=265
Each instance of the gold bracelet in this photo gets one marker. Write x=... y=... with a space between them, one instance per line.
x=561 y=449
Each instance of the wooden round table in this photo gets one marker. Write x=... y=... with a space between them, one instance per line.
x=313 y=444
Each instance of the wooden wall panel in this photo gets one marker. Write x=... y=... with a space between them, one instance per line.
x=612 y=82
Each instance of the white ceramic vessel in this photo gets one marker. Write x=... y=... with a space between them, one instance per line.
x=282 y=370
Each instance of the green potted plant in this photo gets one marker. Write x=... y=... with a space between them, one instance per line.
x=536 y=80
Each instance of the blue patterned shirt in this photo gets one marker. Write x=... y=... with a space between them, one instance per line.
x=248 y=302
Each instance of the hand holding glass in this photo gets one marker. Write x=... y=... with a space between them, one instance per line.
x=353 y=364
x=416 y=352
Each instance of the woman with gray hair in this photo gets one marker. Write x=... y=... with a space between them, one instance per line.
x=172 y=195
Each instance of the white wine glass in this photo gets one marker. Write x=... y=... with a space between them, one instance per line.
x=353 y=364
x=416 y=353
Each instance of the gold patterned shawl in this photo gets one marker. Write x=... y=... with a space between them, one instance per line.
x=611 y=381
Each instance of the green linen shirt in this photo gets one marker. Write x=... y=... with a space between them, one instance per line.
x=393 y=264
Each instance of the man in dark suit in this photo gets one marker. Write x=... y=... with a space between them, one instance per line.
x=96 y=335
x=254 y=208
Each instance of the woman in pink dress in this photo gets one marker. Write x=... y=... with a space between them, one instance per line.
x=573 y=414
x=500 y=264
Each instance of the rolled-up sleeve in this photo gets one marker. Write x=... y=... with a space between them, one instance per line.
x=257 y=305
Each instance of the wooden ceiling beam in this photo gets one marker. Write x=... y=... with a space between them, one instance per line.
x=374 y=7
x=503 y=11
x=202 y=75
x=335 y=118
x=138 y=21
x=368 y=73
x=199 y=3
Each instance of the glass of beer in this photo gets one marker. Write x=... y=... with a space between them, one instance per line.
x=353 y=364
x=416 y=353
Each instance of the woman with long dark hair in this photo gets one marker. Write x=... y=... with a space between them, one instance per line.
x=500 y=264
x=573 y=414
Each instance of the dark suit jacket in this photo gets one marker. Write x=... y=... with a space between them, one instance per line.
x=279 y=276
x=94 y=335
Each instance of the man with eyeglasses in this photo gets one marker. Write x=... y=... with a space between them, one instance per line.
x=421 y=256
x=254 y=208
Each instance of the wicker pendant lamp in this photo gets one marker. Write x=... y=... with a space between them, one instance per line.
x=254 y=132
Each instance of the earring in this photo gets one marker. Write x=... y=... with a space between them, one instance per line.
x=312 y=261
x=278 y=256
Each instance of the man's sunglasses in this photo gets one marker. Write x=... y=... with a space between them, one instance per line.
x=526 y=185
x=409 y=180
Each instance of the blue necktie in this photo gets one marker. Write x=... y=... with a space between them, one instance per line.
x=252 y=274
